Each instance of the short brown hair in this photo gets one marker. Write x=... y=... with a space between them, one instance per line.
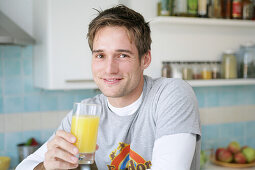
x=121 y=15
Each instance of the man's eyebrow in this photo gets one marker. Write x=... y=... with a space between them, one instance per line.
x=124 y=50
x=119 y=50
x=97 y=51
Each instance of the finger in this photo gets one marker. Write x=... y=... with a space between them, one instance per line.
x=97 y=147
x=63 y=144
x=58 y=153
x=67 y=136
x=59 y=164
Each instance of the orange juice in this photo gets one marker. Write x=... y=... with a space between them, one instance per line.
x=84 y=128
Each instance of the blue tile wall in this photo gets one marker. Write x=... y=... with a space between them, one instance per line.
x=214 y=136
x=2 y=141
x=17 y=95
x=225 y=96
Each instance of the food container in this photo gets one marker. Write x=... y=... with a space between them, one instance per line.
x=4 y=162
x=206 y=71
x=25 y=151
x=166 y=70
x=229 y=65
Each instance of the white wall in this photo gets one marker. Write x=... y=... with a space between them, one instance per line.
x=20 y=11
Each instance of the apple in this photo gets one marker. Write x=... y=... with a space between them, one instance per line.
x=242 y=148
x=218 y=152
x=234 y=147
x=240 y=158
x=249 y=154
x=225 y=156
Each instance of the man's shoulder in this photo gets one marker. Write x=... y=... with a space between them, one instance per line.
x=96 y=99
x=163 y=82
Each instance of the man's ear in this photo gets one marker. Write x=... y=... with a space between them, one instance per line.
x=146 y=60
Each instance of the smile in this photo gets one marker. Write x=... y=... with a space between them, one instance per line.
x=112 y=80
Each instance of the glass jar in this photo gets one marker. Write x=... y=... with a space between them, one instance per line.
x=166 y=70
x=247 y=61
x=186 y=71
x=206 y=71
x=215 y=70
x=228 y=65
x=176 y=71
x=196 y=70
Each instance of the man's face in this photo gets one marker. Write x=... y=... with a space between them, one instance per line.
x=115 y=65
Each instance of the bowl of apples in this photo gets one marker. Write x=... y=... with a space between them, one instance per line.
x=234 y=156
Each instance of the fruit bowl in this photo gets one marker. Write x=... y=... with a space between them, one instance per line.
x=230 y=165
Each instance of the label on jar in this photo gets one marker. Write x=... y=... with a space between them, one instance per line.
x=236 y=9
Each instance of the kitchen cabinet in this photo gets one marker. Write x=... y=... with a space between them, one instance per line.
x=62 y=55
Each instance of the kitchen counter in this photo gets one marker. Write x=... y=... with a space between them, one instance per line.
x=210 y=166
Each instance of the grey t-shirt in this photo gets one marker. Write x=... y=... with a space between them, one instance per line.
x=169 y=106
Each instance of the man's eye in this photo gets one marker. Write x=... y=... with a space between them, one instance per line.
x=99 y=56
x=123 y=55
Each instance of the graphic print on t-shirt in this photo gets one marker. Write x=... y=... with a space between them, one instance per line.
x=124 y=158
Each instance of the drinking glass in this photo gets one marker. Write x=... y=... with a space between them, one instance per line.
x=85 y=122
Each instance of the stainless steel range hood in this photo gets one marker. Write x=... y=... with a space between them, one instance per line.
x=12 y=34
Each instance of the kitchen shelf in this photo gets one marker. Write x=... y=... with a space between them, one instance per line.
x=221 y=82
x=202 y=21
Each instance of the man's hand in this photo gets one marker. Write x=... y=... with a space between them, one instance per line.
x=61 y=152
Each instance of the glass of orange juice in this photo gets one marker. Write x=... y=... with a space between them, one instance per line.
x=85 y=122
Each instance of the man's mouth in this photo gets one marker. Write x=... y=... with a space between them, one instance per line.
x=112 y=80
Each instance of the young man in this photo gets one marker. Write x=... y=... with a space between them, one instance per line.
x=145 y=123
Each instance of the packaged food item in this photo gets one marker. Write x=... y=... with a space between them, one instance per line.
x=217 y=9
x=196 y=70
x=176 y=69
x=202 y=8
x=180 y=8
x=226 y=9
x=186 y=71
x=229 y=65
x=192 y=7
x=246 y=60
x=247 y=11
x=206 y=71
x=164 y=8
x=166 y=69
x=237 y=9
x=215 y=70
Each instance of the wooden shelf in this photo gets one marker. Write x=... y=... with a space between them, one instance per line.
x=202 y=21
x=221 y=82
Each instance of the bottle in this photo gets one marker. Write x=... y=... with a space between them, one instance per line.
x=215 y=70
x=196 y=70
x=192 y=8
x=202 y=8
x=217 y=9
x=164 y=8
x=209 y=9
x=237 y=9
x=247 y=60
x=166 y=70
x=247 y=9
x=206 y=71
x=229 y=65
x=180 y=8
x=186 y=71
x=226 y=9
x=176 y=71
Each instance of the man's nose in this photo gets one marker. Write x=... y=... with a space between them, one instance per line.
x=111 y=66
